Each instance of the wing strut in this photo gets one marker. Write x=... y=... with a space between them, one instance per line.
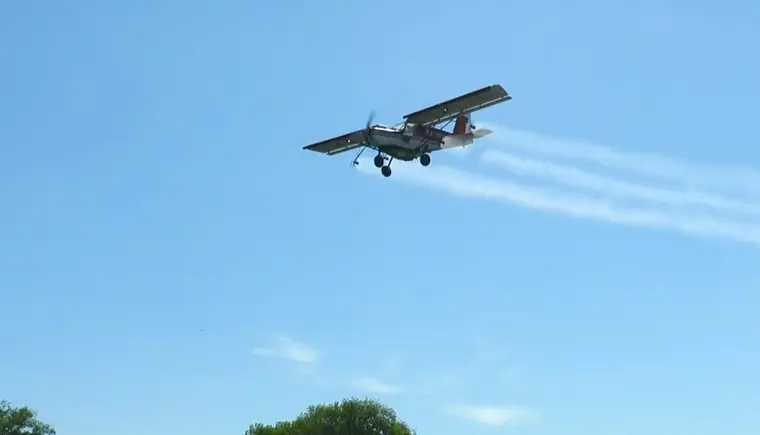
x=359 y=154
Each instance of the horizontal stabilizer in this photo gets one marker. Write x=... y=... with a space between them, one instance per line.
x=481 y=132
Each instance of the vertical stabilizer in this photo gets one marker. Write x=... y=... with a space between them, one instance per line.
x=462 y=125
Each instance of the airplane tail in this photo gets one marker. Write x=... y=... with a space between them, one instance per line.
x=463 y=127
x=463 y=124
x=464 y=134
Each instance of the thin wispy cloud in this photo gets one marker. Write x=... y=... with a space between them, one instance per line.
x=494 y=415
x=444 y=383
x=286 y=348
x=440 y=389
x=376 y=386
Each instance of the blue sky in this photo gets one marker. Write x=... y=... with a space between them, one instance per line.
x=172 y=260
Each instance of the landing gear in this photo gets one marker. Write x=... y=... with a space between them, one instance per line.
x=385 y=169
x=425 y=159
x=379 y=161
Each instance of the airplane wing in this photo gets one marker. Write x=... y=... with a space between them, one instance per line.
x=338 y=144
x=466 y=103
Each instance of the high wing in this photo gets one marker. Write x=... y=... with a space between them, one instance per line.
x=466 y=103
x=338 y=144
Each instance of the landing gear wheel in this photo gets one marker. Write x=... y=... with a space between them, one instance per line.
x=379 y=161
x=386 y=171
x=425 y=159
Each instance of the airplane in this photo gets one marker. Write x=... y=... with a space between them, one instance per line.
x=419 y=134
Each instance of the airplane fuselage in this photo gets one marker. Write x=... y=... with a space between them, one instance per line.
x=410 y=143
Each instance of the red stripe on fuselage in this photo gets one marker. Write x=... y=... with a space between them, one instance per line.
x=461 y=125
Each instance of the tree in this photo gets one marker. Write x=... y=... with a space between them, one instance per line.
x=349 y=417
x=21 y=421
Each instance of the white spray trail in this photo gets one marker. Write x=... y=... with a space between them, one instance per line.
x=656 y=166
x=574 y=177
x=466 y=184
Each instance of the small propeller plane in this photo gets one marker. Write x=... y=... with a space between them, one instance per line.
x=419 y=134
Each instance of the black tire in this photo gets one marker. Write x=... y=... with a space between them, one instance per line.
x=425 y=159
x=386 y=171
x=379 y=161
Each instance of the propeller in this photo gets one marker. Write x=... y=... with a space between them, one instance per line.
x=368 y=126
x=367 y=137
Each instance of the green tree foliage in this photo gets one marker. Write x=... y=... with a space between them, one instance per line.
x=21 y=421
x=349 y=417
